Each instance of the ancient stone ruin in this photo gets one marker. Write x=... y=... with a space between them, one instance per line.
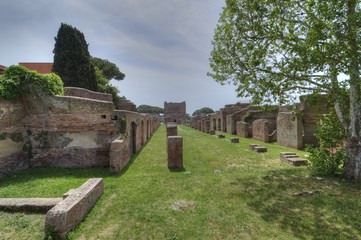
x=62 y=214
x=290 y=126
x=81 y=130
x=175 y=112
x=174 y=148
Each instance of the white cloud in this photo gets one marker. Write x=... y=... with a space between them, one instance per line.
x=161 y=45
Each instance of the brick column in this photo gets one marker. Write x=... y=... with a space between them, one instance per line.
x=172 y=130
x=175 y=152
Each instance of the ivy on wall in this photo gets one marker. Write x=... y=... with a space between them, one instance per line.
x=18 y=80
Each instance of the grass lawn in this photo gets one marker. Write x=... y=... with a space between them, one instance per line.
x=231 y=193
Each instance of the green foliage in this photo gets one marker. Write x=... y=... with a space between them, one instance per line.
x=122 y=125
x=105 y=71
x=329 y=158
x=202 y=111
x=109 y=69
x=72 y=59
x=150 y=109
x=18 y=80
x=281 y=50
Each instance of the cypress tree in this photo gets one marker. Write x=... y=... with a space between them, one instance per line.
x=72 y=59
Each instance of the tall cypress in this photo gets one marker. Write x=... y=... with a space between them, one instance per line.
x=72 y=59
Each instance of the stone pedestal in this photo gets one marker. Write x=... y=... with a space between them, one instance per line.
x=175 y=152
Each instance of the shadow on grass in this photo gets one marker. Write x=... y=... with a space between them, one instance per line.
x=327 y=210
x=30 y=174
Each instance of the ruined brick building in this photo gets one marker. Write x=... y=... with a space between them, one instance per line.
x=175 y=112
x=81 y=129
x=282 y=126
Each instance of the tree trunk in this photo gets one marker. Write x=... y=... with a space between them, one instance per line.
x=353 y=162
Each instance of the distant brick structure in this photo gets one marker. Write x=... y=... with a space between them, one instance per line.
x=40 y=67
x=175 y=112
x=2 y=69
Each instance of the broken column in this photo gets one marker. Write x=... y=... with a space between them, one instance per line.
x=172 y=129
x=175 y=152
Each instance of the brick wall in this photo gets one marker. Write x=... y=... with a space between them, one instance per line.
x=289 y=130
x=85 y=93
x=65 y=131
x=175 y=112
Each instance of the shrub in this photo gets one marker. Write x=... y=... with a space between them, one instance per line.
x=18 y=80
x=329 y=157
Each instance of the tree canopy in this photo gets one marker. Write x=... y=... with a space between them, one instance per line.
x=202 y=111
x=106 y=71
x=72 y=59
x=273 y=51
x=109 y=69
x=150 y=109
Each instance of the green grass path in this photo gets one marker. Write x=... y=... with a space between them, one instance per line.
x=233 y=194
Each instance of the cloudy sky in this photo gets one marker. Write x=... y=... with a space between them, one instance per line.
x=162 y=46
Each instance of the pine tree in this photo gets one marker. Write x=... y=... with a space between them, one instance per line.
x=72 y=59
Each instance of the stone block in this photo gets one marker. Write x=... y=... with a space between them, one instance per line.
x=252 y=146
x=119 y=155
x=212 y=132
x=71 y=211
x=221 y=136
x=28 y=204
x=257 y=148
x=234 y=140
x=292 y=158
x=260 y=149
x=175 y=152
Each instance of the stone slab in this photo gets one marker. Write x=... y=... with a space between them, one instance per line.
x=71 y=211
x=234 y=140
x=28 y=204
x=260 y=149
x=221 y=136
x=252 y=146
x=293 y=159
x=212 y=132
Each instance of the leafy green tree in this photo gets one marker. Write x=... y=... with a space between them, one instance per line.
x=202 y=111
x=274 y=51
x=150 y=109
x=72 y=59
x=109 y=69
x=106 y=71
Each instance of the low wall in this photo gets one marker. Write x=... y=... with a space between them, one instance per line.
x=85 y=93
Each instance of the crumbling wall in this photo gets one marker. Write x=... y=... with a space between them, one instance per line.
x=13 y=148
x=65 y=131
x=126 y=105
x=85 y=93
x=264 y=130
x=289 y=130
